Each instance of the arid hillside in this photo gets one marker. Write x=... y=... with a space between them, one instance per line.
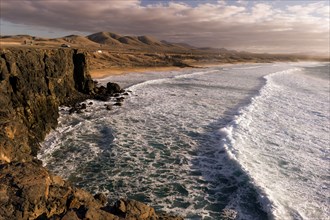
x=110 y=51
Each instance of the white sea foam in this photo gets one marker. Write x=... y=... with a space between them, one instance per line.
x=284 y=159
x=165 y=145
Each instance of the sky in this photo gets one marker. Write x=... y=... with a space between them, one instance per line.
x=273 y=26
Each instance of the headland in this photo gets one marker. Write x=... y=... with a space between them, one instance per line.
x=39 y=75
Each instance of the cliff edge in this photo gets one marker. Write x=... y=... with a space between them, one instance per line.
x=33 y=84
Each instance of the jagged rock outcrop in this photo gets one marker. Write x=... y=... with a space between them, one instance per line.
x=33 y=84
x=29 y=191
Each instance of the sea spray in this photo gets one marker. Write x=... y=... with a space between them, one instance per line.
x=265 y=133
x=243 y=120
x=164 y=146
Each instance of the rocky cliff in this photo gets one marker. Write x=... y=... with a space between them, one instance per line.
x=33 y=84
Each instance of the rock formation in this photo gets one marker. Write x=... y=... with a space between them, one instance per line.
x=33 y=84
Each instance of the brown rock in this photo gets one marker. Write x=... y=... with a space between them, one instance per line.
x=101 y=198
x=74 y=203
x=131 y=209
x=86 y=198
x=34 y=82
x=113 y=88
x=28 y=191
x=98 y=214
x=70 y=215
x=57 y=180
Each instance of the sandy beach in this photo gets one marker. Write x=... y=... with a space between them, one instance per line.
x=102 y=73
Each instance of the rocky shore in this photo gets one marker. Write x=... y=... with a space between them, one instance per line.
x=33 y=84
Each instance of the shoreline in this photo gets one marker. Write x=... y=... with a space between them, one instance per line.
x=45 y=89
x=106 y=72
x=103 y=73
x=148 y=69
x=31 y=93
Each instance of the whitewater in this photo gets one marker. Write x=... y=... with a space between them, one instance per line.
x=248 y=140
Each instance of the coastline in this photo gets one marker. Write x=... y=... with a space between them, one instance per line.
x=34 y=83
x=99 y=74
x=103 y=73
x=32 y=95
x=113 y=117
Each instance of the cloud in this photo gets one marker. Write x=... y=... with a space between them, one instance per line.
x=255 y=26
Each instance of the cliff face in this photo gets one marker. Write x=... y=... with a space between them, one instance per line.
x=33 y=83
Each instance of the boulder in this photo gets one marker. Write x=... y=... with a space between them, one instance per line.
x=98 y=214
x=101 y=94
x=113 y=88
x=120 y=99
x=83 y=106
x=131 y=209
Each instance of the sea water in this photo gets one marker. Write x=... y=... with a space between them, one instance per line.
x=248 y=139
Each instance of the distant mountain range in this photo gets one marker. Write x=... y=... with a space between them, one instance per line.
x=121 y=43
x=113 y=39
x=108 y=40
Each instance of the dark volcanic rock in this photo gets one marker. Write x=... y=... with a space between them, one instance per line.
x=28 y=191
x=101 y=93
x=33 y=84
x=113 y=88
x=83 y=106
x=120 y=99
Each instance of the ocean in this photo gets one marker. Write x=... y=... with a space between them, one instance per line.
x=245 y=140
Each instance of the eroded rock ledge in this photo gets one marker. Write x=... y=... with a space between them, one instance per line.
x=33 y=84
x=29 y=191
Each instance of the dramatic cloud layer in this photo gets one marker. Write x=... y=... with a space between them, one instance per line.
x=258 y=26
